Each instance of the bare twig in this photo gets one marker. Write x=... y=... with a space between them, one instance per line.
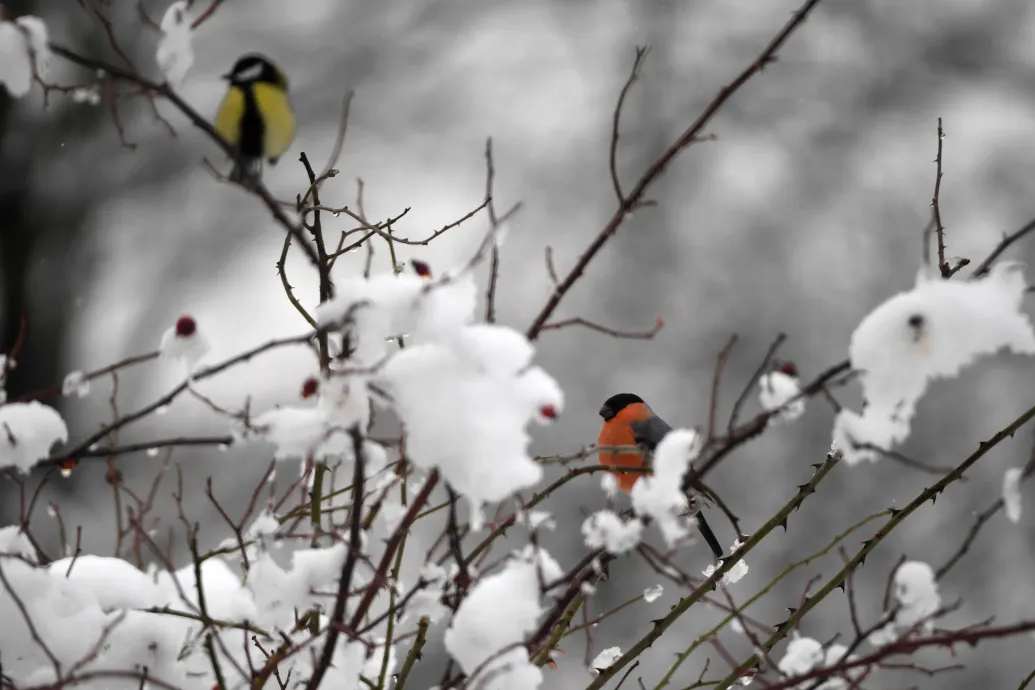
x=653 y=172
x=634 y=74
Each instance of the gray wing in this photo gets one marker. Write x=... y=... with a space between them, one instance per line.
x=650 y=431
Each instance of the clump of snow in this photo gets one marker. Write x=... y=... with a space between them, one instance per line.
x=175 y=53
x=279 y=592
x=605 y=659
x=14 y=542
x=933 y=331
x=468 y=399
x=652 y=594
x=264 y=524
x=27 y=433
x=915 y=590
x=609 y=484
x=801 y=655
x=316 y=433
x=539 y=518
x=377 y=308
x=116 y=583
x=490 y=625
x=735 y=573
x=76 y=384
x=1012 y=493
x=804 y=654
x=463 y=391
x=660 y=495
x=24 y=53
x=776 y=391
x=604 y=529
x=226 y=598
x=428 y=600
x=184 y=343
x=549 y=568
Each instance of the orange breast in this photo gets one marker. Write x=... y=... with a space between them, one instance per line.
x=617 y=433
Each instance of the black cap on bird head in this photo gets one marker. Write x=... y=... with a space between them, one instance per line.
x=617 y=403
x=253 y=68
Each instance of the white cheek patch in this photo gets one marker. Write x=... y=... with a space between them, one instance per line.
x=249 y=74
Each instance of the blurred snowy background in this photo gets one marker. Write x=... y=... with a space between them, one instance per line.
x=801 y=217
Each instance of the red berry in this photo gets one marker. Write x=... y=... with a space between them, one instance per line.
x=789 y=369
x=548 y=411
x=67 y=466
x=421 y=268
x=186 y=326
x=310 y=387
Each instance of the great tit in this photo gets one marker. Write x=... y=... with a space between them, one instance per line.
x=255 y=118
x=629 y=421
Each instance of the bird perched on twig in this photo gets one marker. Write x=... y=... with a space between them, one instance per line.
x=255 y=118
x=629 y=421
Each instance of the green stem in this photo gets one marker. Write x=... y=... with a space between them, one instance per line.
x=663 y=624
x=392 y=594
x=415 y=650
x=682 y=656
x=896 y=519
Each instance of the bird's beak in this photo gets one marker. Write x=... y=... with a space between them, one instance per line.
x=606 y=412
x=228 y=76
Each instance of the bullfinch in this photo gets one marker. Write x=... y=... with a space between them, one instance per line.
x=628 y=421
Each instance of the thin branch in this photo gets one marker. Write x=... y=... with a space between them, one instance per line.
x=720 y=366
x=654 y=171
x=494 y=264
x=986 y=265
x=762 y=368
x=629 y=335
x=355 y=544
x=634 y=74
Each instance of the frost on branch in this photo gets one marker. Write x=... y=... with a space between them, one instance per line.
x=660 y=496
x=735 y=573
x=76 y=384
x=1012 y=494
x=605 y=659
x=175 y=54
x=930 y=332
x=23 y=53
x=27 y=433
x=486 y=634
x=605 y=530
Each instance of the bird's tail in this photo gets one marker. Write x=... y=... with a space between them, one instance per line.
x=709 y=536
x=247 y=171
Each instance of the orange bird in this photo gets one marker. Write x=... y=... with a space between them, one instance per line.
x=628 y=421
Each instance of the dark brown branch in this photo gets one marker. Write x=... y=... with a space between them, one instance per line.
x=720 y=366
x=654 y=171
x=753 y=381
x=393 y=543
x=494 y=261
x=986 y=265
x=630 y=335
x=634 y=74
x=196 y=119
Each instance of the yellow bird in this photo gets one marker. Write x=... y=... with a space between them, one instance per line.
x=256 y=118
